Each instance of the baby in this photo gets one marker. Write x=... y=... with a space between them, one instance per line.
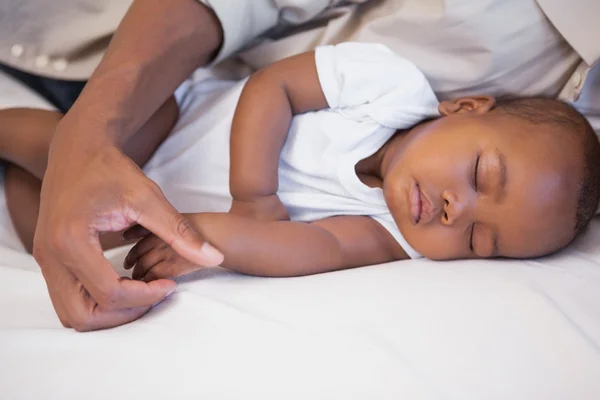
x=340 y=158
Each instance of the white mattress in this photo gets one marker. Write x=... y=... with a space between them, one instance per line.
x=407 y=330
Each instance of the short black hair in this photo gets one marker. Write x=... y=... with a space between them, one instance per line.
x=565 y=119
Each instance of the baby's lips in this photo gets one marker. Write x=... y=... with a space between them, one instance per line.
x=415 y=203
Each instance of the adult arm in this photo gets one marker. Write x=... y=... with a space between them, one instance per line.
x=91 y=187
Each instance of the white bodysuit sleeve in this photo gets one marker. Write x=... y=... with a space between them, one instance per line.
x=366 y=79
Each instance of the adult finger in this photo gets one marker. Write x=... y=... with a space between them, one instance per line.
x=59 y=280
x=160 y=217
x=108 y=289
x=103 y=319
x=78 y=310
x=88 y=315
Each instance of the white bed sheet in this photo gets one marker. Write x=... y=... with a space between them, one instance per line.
x=408 y=330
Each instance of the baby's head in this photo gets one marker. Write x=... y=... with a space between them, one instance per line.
x=516 y=178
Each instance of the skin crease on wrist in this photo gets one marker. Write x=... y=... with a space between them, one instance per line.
x=157 y=45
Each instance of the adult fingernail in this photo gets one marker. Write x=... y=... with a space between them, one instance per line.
x=214 y=256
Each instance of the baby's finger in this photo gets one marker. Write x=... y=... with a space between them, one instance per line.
x=146 y=262
x=170 y=268
x=155 y=272
x=153 y=275
x=142 y=247
x=135 y=232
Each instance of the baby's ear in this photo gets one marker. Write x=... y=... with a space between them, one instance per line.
x=475 y=105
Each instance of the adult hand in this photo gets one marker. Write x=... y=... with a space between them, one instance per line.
x=90 y=187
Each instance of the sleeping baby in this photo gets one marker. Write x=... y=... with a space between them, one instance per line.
x=339 y=158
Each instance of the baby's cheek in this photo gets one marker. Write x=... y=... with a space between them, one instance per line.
x=438 y=243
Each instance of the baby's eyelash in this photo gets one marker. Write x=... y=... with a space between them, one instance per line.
x=471 y=238
x=475 y=169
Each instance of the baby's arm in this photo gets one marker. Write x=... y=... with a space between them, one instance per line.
x=260 y=125
x=274 y=248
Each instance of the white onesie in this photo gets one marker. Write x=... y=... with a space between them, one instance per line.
x=371 y=93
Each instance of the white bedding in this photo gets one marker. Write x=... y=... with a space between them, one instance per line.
x=408 y=330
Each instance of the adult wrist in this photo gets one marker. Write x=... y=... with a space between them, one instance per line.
x=80 y=131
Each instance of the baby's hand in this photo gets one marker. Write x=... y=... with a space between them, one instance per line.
x=152 y=258
x=266 y=208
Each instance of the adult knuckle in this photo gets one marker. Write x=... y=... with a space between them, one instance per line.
x=184 y=227
x=64 y=322
x=81 y=322
x=109 y=298
x=62 y=317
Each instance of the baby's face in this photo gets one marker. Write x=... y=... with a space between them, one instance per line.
x=480 y=186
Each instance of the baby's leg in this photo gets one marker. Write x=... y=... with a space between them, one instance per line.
x=26 y=146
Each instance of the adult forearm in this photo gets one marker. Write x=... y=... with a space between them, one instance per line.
x=157 y=45
x=277 y=248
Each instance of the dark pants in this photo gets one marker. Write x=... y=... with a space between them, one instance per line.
x=62 y=94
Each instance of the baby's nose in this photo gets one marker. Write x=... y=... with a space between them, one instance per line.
x=453 y=208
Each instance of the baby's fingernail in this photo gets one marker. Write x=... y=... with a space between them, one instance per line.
x=214 y=256
x=170 y=292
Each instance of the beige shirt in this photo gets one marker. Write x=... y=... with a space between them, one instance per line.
x=493 y=46
x=499 y=47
